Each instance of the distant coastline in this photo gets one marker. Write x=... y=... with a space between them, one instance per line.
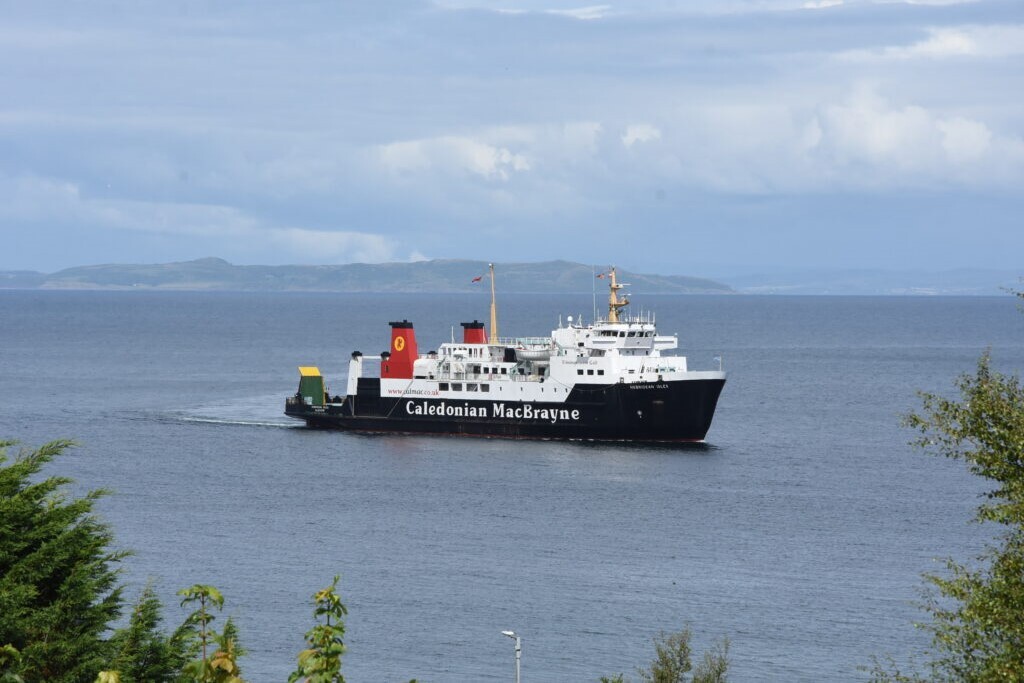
x=441 y=275
x=453 y=275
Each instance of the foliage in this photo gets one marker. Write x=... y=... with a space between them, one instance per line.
x=321 y=662
x=714 y=665
x=224 y=662
x=986 y=430
x=222 y=665
x=58 y=591
x=672 y=662
x=977 y=612
x=9 y=659
x=142 y=654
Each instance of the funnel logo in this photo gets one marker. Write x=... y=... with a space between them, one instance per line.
x=399 y=343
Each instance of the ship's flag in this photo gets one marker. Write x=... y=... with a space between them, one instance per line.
x=601 y=276
x=478 y=278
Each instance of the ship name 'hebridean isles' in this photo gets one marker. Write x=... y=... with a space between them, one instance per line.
x=498 y=410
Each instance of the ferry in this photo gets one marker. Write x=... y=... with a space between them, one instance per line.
x=609 y=380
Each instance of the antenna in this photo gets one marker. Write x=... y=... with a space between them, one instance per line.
x=593 y=286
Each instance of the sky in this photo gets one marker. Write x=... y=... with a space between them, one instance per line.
x=700 y=137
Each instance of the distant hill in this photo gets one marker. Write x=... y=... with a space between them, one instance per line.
x=438 y=276
x=962 y=281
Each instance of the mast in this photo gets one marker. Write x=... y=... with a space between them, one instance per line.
x=614 y=304
x=494 y=309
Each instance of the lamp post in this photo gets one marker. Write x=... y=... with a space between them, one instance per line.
x=519 y=648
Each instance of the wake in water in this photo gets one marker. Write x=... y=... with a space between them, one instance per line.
x=243 y=423
x=244 y=411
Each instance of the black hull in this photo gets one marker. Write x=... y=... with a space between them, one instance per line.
x=679 y=411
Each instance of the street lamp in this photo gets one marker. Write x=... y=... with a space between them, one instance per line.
x=519 y=648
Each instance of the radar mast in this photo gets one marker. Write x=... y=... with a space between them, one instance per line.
x=614 y=303
x=494 y=309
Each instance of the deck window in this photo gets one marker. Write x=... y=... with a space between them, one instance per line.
x=472 y=386
x=456 y=386
x=442 y=386
x=485 y=387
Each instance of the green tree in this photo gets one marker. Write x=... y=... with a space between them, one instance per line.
x=141 y=652
x=9 y=659
x=672 y=662
x=58 y=579
x=977 y=612
x=224 y=662
x=321 y=661
x=714 y=665
x=220 y=666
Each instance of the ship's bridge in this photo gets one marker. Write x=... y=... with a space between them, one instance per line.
x=636 y=336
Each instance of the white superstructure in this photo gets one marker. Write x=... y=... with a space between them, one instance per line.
x=619 y=349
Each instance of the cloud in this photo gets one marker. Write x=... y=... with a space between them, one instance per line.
x=927 y=3
x=913 y=146
x=640 y=132
x=950 y=42
x=347 y=129
x=26 y=201
x=858 y=142
x=584 y=13
x=862 y=142
x=320 y=246
x=964 y=141
x=452 y=154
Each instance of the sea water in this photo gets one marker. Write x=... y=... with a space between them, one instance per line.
x=799 y=531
